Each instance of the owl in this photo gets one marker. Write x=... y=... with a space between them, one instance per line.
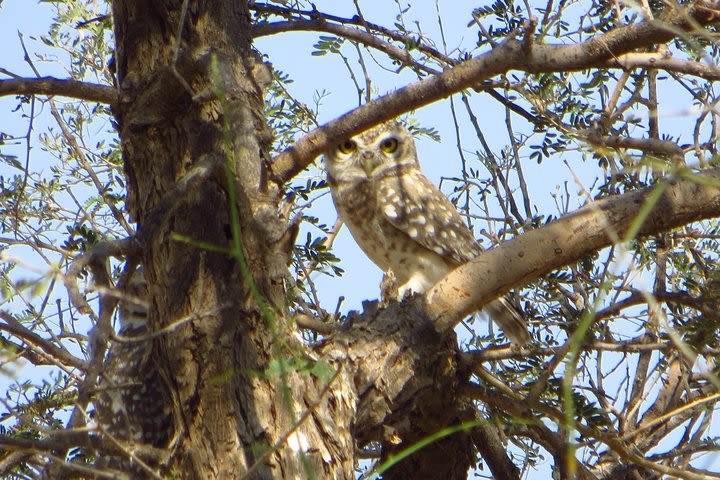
x=401 y=220
x=133 y=403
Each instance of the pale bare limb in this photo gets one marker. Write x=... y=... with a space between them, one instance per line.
x=514 y=263
x=57 y=352
x=650 y=145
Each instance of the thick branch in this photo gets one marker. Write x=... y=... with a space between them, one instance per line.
x=533 y=254
x=23 y=352
x=488 y=442
x=55 y=86
x=511 y=55
x=65 y=440
x=651 y=145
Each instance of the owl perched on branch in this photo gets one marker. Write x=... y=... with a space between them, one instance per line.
x=401 y=220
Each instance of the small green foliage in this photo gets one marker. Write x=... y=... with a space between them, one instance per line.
x=508 y=17
x=419 y=131
x=80 y=238
x=327 y=45
x=322 y=371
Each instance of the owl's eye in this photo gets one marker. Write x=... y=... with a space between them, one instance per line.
x=346 y=147
x=389 y=145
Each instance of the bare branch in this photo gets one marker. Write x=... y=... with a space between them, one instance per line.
x=488 y=442
x=64 y=87
x=465 y=290
x=314 y=324
x=97 y=255
x=508 y=351
x=84 y=438
x=99 y=335
x=662 y=61
x=319 y=25
x=60 y=354
x=11 y=460
x=511 y=55
x=521 y=408
x=651 y=145
x=293 y=14
x=9 y=348
x=668 y=415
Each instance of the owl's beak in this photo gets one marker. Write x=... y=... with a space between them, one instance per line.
x=368 y=164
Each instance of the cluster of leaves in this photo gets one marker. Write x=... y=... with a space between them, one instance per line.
x=287 y=117
x=327 y=44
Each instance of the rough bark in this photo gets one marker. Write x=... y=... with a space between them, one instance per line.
x=228 y=412
x=406 y=379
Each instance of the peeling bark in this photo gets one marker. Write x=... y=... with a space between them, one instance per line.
x=407 y=380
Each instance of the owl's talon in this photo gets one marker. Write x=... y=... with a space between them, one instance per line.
x=388 y=288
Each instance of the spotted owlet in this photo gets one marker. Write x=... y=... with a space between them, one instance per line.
x=133 y=403
x=400 y=219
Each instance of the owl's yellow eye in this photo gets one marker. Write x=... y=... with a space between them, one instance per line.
x=348 y=146
x=389 y=145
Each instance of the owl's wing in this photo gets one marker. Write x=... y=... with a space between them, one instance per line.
x=414 y=205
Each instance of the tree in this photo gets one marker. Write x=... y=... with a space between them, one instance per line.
x=242 y=371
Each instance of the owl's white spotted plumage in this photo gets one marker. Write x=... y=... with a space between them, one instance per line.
x=133 y=404
x=400 y=219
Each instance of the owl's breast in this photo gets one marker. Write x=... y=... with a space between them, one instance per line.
x=357 y=206
x=387 y=246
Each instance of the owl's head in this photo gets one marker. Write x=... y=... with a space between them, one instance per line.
x=371 y=154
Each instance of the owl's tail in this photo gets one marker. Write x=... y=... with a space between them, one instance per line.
x=506 y=316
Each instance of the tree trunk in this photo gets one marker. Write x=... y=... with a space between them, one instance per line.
x=229 y=406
